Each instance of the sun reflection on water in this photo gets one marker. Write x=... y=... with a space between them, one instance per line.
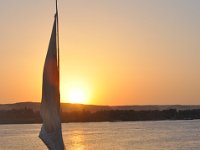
x=78 y=140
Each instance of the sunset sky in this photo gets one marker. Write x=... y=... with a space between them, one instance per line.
x=114 y=52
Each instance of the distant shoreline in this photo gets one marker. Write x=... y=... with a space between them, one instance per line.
x=28 y=116
x=98 y=122
x=68 y=107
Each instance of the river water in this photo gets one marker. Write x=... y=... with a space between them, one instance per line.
x=147 y=135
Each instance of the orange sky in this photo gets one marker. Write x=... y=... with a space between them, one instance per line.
x=122 y=52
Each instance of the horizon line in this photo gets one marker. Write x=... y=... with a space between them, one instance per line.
x=107 y=105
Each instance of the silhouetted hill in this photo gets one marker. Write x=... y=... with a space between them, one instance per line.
x=32 y=105
x=156 y=107
x=67 y=107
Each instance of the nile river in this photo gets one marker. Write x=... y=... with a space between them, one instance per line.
x=155 y=135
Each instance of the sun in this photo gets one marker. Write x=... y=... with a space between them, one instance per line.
x=75 y=92
x=77 y=95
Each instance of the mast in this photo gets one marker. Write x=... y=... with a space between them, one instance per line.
x=58 y=46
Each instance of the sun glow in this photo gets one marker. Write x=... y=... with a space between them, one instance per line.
x=75 y=93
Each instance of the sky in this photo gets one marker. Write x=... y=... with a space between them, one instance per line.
x=116 y=52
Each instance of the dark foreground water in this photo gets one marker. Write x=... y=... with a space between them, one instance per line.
x=157 y=135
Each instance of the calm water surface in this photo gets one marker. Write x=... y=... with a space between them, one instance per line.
x=158 y=135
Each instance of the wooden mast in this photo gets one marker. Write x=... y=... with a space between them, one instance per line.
x=58 y=44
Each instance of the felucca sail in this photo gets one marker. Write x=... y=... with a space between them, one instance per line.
x=51 y=132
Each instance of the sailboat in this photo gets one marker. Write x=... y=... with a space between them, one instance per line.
x=51 y=131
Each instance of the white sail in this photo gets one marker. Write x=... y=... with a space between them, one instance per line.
x=51 y=133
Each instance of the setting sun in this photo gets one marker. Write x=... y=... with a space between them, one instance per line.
x=77 y=95
x=75 y=91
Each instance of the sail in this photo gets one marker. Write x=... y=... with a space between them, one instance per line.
x=51 y=133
